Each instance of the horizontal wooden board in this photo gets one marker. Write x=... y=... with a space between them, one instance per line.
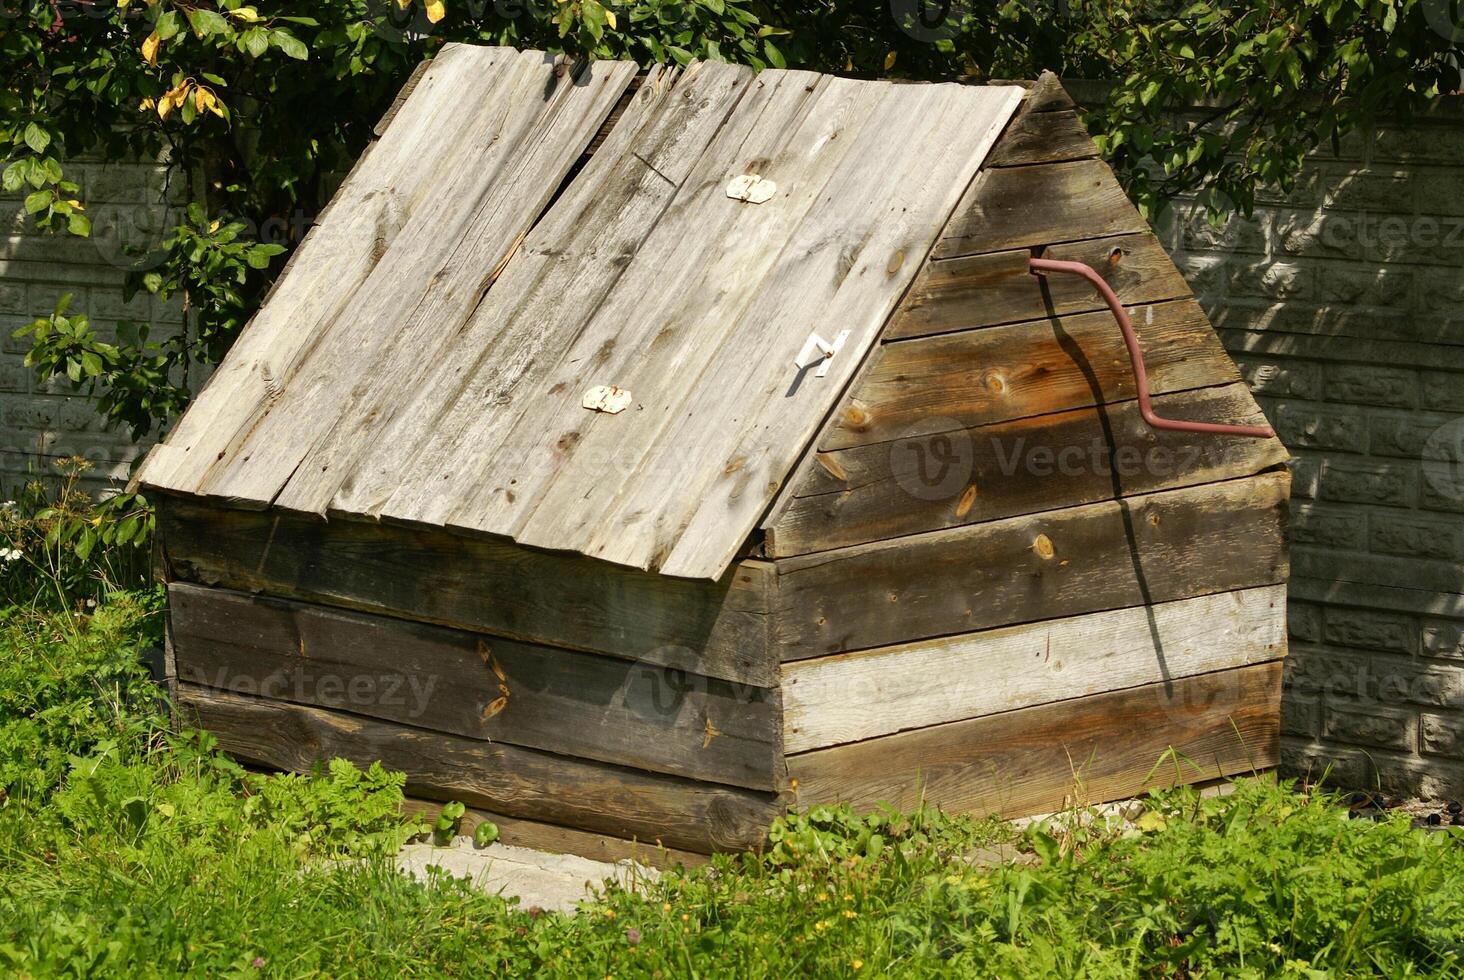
x=978 y=376
x=1031 y=206
x=716 y=629
x=1146 y=549
x=1042 y=137
x=576 y=704
x=560 y=840
x=855 y=696
x=524 y=783
x=998 y=287
x=1042 y=759
x=1045 y=462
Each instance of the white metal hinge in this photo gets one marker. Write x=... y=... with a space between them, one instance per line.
x=818 y=351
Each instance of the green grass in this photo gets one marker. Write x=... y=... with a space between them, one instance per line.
x=127 y=850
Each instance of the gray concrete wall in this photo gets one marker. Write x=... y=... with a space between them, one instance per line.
x=40 y=423
x=1343 y=302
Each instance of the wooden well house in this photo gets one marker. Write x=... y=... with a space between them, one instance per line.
x=633 y=455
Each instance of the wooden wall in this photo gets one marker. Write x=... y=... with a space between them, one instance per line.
x=990 y=586
x=997 y=588
x=547 y=688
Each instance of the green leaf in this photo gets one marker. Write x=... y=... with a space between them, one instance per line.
x=775 y=57
x=37 y=138
x=256 y=41
x=79 y=224
x=38 y=202
x=14 y=177
x=168 y=25
x=485 y=833
x=206 y=22
x=291 y=45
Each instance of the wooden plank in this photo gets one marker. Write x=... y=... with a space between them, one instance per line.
x=560 y=840
x=855 y=696
x=985 y=290
x=976 y=377
x=1152 y=548
x=1020 y=207
x=1047 y=95
x=1039 y=760
x=1044 y=462
x=542 y=302
x=470 y=684
x=408 y=87
x=715 y=629
x=523 y=783
x=416 y=300
x=1043 y=137
x=390 y=186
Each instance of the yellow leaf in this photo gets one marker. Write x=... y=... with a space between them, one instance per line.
x=890 y=60
x=1150 y=822
x=200 y=101
x=404 y=4
x=165 y=106
x=147 y=104
x=610 y=19
x=150 y=48
x=76 y=205
x=122 y=4
x=214 y=226
x=435 y=11
x=247 y=14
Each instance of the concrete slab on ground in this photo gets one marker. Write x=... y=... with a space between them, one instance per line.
x=553 y=882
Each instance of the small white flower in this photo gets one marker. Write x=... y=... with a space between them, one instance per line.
x=9 y=555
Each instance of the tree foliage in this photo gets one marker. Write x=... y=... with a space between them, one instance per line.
x=270 y=99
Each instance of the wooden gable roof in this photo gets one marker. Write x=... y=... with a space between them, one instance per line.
x=427 y=357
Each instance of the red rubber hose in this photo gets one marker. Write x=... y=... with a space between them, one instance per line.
x=1136 y=356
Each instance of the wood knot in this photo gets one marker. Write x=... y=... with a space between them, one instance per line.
x=856 y=416
x=968 y=498
x=1042 y=544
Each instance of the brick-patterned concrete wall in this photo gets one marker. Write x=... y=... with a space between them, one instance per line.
x=1343 y=302
x=40 y=423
